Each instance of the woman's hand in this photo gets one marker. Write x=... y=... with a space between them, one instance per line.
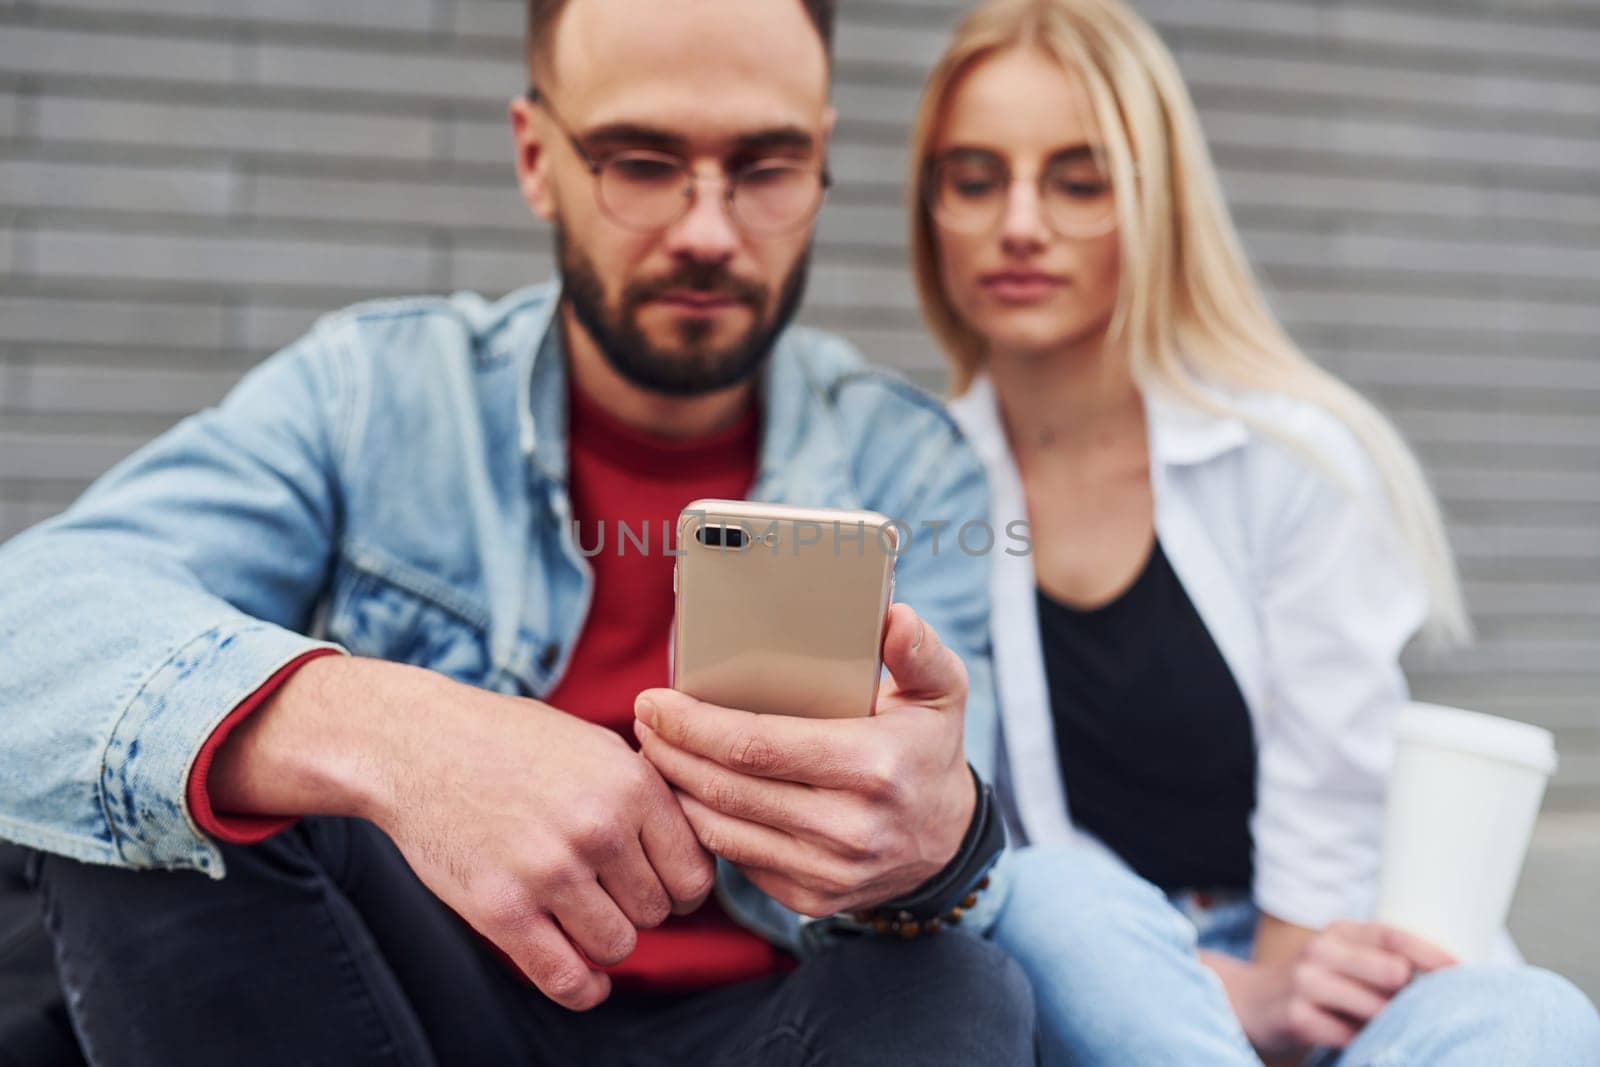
x=1327 y=990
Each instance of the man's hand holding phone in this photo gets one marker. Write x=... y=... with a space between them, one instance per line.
x=828 y=814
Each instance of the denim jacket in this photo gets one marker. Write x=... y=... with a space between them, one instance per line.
x=395 y=484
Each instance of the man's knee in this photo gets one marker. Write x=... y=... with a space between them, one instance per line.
x=978 y=981
x=957 y=997
x=975 y=971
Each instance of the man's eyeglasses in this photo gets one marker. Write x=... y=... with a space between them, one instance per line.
x=967 y=191
x=646 y=190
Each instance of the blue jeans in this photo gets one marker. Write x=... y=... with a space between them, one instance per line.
x=1117 y=981
x=321 y=948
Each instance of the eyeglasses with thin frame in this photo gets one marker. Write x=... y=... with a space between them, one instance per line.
x=968 y=189
x=646 y=190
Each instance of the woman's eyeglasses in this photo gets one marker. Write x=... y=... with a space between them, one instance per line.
x=967 y=190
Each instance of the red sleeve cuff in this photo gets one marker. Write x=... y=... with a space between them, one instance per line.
x=240 y=829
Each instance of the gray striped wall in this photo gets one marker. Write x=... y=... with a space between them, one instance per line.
x=185 y=183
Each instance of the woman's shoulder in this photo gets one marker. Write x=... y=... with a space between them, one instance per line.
x=1294 y=440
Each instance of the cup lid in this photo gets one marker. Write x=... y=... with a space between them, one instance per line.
x=1480 y=734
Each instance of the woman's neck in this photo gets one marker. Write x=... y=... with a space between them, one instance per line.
x=1081 y=396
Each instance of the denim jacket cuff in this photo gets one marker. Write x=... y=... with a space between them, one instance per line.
x=144 y=771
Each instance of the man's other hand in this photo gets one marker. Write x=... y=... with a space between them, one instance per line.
x=547 y=833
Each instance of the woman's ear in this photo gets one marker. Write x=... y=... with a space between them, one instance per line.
x=533 y=164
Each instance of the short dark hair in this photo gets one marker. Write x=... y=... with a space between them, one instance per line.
x=542 y=16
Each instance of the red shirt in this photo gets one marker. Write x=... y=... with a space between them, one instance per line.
x=623 y=480
x=627 y=489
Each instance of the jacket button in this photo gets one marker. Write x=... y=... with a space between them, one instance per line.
x=548 y=656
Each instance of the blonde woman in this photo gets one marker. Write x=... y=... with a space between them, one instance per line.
x=1199 y=659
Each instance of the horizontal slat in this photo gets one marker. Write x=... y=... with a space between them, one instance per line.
x=1353 y=198
x=1519 y=542
x=1536 y=397
x=1461 y=32
x=1570 y=659
x=10 y=114
x=1503 y=429
x=28 y=49
x=499 y=20
x=71 y=320
x=1533 y=695
x=1503 y=459
x=1569 y=720
x=417 y=15
x=1463 y=256
x=1491 y=37
x=1376 y=135
x=1576 y=770
x=55 y=389
x=1402 y=311
x=498 y=271
x=384 y=70
x=231 y=260
x=18 y=515
x=1422 y=366
x=493 y=20
x=265 y=328
x=234 y=128
x=1207 y=68
x=1509 y=486
x=1553 y=599
x=1540 y=628
x=12 y=384
x=440 y=203
x=33 y=456
x=36 y=183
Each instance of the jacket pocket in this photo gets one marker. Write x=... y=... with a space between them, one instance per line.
x=382 y=617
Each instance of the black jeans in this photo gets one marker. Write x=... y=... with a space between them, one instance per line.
x=321 y=947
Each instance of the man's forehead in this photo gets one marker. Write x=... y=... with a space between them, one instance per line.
x=734 y=64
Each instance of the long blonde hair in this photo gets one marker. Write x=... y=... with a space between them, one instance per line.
x=1189 y=311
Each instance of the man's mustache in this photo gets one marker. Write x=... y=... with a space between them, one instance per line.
x=697 y=278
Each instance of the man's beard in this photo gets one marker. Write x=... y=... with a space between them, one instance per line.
x=693 y=367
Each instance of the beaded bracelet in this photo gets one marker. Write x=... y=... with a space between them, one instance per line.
x=944 y=899
x=907 y=926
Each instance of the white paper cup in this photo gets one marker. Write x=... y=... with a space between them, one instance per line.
x=1463 y=797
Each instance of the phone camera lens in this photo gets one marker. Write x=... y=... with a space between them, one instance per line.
x=721 y=536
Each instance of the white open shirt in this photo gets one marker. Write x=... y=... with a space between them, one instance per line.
x=1306 y=589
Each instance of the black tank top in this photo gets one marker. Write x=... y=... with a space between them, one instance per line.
x=1155 y=741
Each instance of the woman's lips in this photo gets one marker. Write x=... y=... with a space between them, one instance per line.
x=1021 y=286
